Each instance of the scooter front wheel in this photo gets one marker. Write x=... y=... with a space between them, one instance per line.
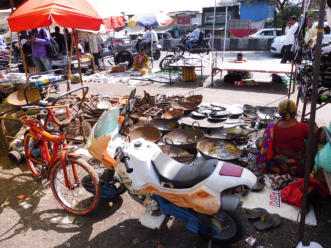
x=226 y=227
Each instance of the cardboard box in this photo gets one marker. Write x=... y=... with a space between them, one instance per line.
x=117 y=68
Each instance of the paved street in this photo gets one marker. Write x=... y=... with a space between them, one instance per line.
x=37 y=220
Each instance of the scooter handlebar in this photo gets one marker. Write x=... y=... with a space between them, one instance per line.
x=124 y=159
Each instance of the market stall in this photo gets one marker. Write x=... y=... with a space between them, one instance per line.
x=73 y=14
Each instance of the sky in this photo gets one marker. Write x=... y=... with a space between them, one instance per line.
x=136 y=6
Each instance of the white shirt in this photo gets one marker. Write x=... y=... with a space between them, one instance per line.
x=289 y=39
x=195 y=34
x=154 y=36
x=147 y=36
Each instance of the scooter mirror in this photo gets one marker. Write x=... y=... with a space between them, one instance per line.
x=132 y=94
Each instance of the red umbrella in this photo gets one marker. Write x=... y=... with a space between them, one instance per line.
x=78 y=14
x=111 y=17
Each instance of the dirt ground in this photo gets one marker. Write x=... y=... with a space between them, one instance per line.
x=37 y=220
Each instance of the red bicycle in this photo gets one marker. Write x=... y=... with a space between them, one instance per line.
x=47 y=154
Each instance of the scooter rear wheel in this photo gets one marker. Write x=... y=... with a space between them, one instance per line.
x=226 y=227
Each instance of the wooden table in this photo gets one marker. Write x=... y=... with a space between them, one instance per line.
x=251 y=66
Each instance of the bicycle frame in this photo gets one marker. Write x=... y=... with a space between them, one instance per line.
x=43 y=139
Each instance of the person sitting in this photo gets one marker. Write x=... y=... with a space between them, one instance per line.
x=282 y=148
x=140 y=61
x=145 y=40
x=195 y=35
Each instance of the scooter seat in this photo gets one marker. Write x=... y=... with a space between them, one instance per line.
x=182 y=175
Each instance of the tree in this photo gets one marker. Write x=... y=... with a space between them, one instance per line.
x=288 y=9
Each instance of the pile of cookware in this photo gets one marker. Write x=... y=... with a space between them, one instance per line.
x=184 y=126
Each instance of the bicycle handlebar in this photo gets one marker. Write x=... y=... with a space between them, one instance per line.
x=24 y=119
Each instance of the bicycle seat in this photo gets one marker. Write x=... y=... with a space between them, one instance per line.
x=182 y=175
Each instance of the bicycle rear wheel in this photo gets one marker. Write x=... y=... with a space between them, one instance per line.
x=75 y=199
x=33 y=155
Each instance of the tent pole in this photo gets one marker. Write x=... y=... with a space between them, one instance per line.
x=68 y=59
x=78 y=56
x=11 y=37
x=225 y=30
x=10 y=50
x=23 y=59
x=310 y=149
x=69 y=62
x=212 y=42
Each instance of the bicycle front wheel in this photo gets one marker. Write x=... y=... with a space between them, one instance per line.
x=69 y=191
x=33 y=155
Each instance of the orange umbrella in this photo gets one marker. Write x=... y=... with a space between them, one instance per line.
x=78 y=14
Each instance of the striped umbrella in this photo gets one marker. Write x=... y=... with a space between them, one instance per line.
x=151 y=19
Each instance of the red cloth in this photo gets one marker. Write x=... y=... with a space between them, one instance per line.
x=291 y=138
x=293 y=193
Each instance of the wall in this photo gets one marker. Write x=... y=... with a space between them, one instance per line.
x=240 y=44
x=257 y=11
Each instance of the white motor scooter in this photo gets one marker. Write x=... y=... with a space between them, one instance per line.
x=200 y=195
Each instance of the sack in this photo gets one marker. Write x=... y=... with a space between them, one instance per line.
x=53 y=48
x=293 y=193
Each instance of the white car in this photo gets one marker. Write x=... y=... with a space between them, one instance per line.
x=277 y=45
x=266 y=33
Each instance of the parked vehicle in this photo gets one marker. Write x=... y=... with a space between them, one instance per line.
x=201 y=46
x=119 y=42
x=200 y=195
x=267 y=33
x=277 y=46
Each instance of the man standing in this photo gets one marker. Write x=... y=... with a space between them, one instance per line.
x=146 y=40
x=311 y=33
x=155 y=39
x=59 y=38
x=194 y=36
x=289 y=41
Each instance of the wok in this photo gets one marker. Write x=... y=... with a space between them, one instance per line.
x=219 y=149
x=196 y=99
x=149 y=133
x=188 y=107
x=266 y=111
x=175 y=114
x=184 y=137
x=165 y=125
x=250 y=108
x=179 y=154
x=226 y=133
